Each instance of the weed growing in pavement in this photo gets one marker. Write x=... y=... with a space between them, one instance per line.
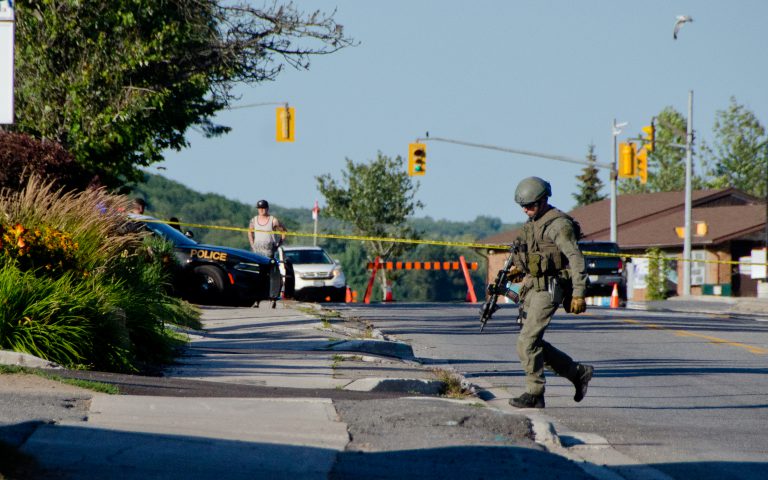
x=367 y=332
x=337 y=359
x=452 y=382
x=86 y=384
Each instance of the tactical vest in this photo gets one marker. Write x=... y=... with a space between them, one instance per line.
x=544 y=260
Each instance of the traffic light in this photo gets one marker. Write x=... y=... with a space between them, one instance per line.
x=417 y=159
x=627 y=153
x=641 y=165
x=648 y=142
x=286 y=121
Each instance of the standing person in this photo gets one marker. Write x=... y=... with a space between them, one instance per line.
x=260 y=231
x=554 y=273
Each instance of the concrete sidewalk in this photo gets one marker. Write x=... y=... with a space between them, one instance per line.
x=740 y=307
x=295 y=347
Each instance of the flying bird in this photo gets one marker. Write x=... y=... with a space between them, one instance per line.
x=681 y=20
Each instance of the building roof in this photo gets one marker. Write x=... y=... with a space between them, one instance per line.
x=649 y=219
x=724 y=223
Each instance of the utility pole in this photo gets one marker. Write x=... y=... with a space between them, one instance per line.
x=688 y=175
x=615 y=131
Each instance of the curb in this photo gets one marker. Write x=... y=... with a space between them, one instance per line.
x=20 y=359
x=383 y=348
x=397 y=385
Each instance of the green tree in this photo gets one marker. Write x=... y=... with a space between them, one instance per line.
x=590 y=186
x=118 y=82
x=376 y=199
x=658 y=270
x=740 y=153
x=666 y=164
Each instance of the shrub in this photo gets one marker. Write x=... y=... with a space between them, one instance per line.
x=658 y=268
x=77 y=288
x=23 y=156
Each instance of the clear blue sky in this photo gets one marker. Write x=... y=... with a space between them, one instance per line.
x=545 y=76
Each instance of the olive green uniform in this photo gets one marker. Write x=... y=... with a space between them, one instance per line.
x=553 y=256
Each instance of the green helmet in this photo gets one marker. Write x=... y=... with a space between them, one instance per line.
x=532 y=189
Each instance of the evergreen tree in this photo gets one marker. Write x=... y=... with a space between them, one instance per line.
x=590 y=186
x=740 y=152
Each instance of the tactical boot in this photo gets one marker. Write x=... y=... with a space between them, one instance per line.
x=528 y=400
x=581 y=380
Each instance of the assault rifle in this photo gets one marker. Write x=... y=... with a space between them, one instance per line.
x=499 y=285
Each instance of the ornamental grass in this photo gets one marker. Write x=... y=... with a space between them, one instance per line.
x=77 y=288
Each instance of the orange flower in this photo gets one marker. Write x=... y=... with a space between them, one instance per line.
x=18 y=229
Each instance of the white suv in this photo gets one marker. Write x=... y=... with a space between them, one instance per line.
x=318 y=277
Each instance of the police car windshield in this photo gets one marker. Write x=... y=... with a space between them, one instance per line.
x=170 y=233
x=308 y=256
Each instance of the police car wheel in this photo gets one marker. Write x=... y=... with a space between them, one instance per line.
x=209 y=284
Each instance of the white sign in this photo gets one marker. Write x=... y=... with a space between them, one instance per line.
x=639 y=272
x=745 y=265
x=759 y=271
x=6 y=61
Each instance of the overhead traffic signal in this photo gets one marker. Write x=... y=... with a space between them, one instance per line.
x=649 y=142
x=417 y=159
x=641 y=165
x=286 y=121
x=627 y=153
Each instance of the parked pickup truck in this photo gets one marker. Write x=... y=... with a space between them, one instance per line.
x=604 y=271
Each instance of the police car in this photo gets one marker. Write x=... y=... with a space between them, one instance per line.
x=212 y=274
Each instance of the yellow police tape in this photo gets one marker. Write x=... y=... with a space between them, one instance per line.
x=485 y=246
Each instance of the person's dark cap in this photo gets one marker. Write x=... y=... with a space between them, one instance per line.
x=262 y=204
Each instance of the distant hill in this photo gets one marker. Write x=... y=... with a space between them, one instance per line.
x=167 y=198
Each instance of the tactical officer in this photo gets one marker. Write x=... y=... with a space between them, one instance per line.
x=554 y=273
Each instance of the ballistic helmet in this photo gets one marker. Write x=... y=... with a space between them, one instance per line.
x=262 y=204
x=532 y=189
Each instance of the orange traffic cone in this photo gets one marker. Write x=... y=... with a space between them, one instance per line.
x=388 y=297
x=348 y=297
x=615 y=296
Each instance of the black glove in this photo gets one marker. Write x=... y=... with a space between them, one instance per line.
x=515 y=275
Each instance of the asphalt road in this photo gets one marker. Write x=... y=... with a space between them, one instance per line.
x=686 y=394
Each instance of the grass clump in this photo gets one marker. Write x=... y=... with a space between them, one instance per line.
x=79 y=287
x=454 y=386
